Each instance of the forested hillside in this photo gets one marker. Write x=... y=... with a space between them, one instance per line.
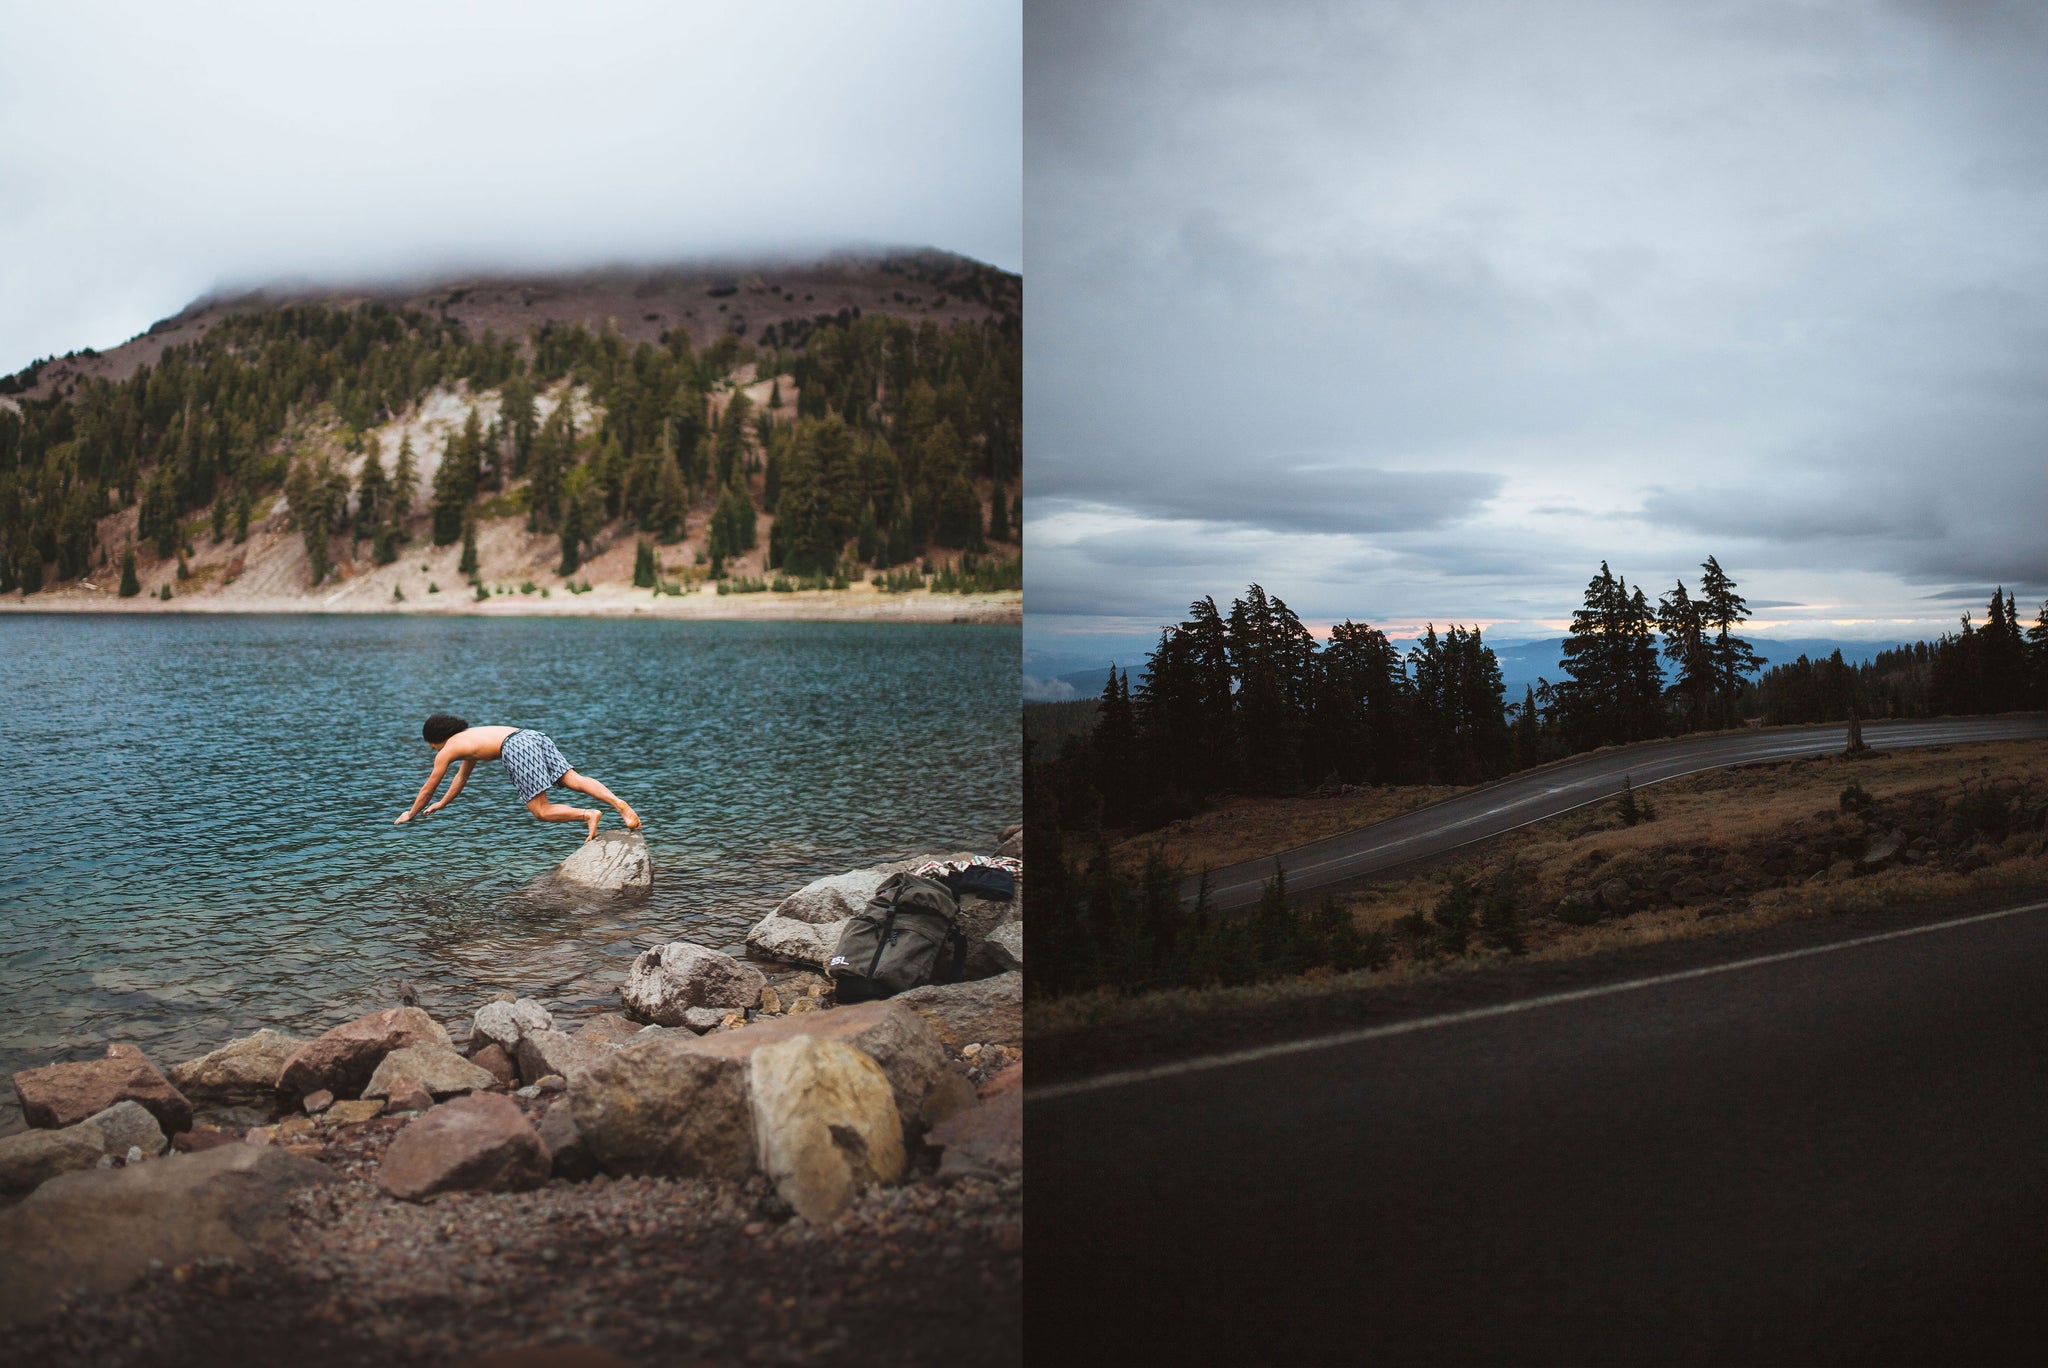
x=822 y=449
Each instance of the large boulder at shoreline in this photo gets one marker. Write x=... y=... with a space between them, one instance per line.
x=103 y=1228
x=1006 y=945
x=609 y=1028
x=556 y=1052
x=33 y=1157
x=1011 y=841
x=241 y=1071
x=615 y=862
x=831 y=899
x=975 y=1012
x=437 y=1068
x=892 y=1035
x=665 y=1106
x=65 y=1094
x=668 y=980
x=343 y=1059
x=809 y=944
x=479 y=1143
x=504 y=1023
x=979 y=919
x=825 y=1123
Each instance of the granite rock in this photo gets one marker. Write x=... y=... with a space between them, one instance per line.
x=241 y=1071
x=975 y=1012
x=825 y=1123
x=668 y=980
x=615 y=862
x=437 y=1068
x=343 y=1059
x=479 y=1143
x=504 y=1023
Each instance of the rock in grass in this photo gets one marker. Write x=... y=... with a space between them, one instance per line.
x=825 y=1123
x=479 y=1143
x=795 y=942
x=437 y=1068
x=615 y=862
x=101 y=1229
x=504 y=1023
x=980 y=1011
x=343 y=1059
x=65 y=1094
x=33 y=1157
x=668 y=980
x=241 y=1071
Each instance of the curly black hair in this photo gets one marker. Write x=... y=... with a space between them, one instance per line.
x=441 y=726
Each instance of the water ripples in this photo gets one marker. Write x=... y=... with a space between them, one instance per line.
x=204 y=841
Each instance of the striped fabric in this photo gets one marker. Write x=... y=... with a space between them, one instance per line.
x=533 y=762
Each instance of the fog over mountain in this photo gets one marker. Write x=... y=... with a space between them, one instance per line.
x=153 y=155
x=1419 y=312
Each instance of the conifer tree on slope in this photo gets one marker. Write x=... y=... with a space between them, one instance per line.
x=1731 y=657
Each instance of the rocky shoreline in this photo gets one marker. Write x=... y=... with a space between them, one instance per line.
x=734 y=1165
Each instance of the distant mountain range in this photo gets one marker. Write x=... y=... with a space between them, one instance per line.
x=1522 y=664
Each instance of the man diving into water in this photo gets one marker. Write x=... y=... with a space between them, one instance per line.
x=535 y=765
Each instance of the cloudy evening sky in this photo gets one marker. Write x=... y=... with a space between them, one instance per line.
x=1419 y=311
x=151 y=153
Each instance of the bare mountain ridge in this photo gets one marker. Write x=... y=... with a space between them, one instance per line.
x=758 y=299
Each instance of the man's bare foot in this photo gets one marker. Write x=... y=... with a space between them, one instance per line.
x=630 y=817
x=592 y=820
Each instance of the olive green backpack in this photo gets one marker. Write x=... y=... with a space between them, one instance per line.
x=908 y=935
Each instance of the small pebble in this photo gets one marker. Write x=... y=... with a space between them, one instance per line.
x=553 y=1083
x=969 y=1051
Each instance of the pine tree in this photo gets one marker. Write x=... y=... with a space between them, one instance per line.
x=405 y=481
x=130 y=584
x=242 y=511
x=671 y=501
x=999 y=516
x=1678 y=618
x=468 y=565
x=1731 y=658
x=373 y=494
x=643 y=564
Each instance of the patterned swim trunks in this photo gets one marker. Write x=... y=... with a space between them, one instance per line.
x=533 y=762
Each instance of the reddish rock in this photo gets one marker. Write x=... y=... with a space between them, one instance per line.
x=494 y=1060
x=203 y=1138
x=478 y=1143
x=983 y=1141
x=65 y=1094
x=1008 y=1079
x=317 y=1102
x=409 y=1096
x=343 y=1059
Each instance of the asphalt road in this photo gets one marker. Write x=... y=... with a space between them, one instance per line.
x=1832 y=1153
x=1558 y=788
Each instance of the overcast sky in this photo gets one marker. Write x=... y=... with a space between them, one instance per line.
x=1420 y=311
x=152 y=152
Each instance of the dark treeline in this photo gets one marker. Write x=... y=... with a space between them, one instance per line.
x=1998 y=667
x=1248 y=702
x=898 y=427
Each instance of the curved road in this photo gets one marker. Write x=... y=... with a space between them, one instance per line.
x=1537 y=794
x=1827 y=1145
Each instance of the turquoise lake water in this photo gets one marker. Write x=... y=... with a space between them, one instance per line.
x=201 y=840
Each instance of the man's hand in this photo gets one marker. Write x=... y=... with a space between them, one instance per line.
x=436 y=807
x=402 y=818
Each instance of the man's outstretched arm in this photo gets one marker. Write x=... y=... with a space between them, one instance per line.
x=426 y=791
x=461 y=778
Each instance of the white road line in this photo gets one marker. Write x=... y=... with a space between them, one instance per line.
x=1129 y=1077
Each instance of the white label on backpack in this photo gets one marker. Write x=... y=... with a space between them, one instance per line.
x=836 y=959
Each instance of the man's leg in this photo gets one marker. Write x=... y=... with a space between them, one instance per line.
x=583 y=783
x=548 y=811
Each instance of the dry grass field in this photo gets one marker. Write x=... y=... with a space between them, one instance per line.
x=1729 y=850
x=1246 y=828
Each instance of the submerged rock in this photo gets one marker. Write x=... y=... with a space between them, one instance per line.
x=668 y=980
x=479 y=1143
x=615 y=862
x=825 y=1123
x=65 y=1094
x=240 y=1071
x=102 y=1229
